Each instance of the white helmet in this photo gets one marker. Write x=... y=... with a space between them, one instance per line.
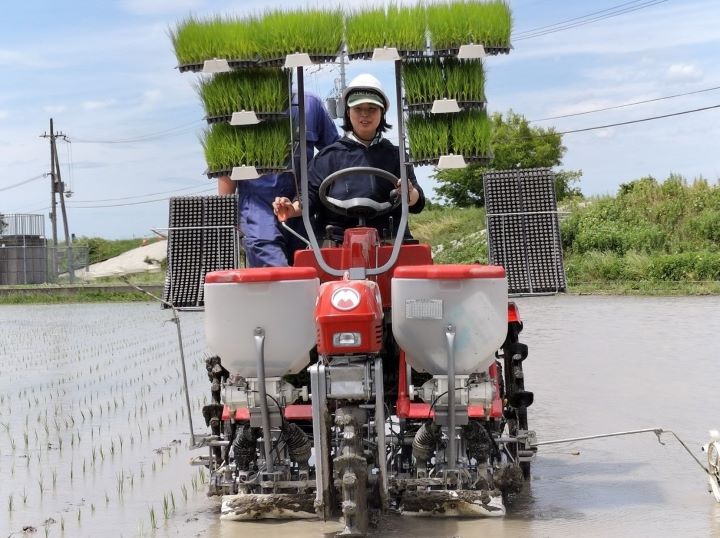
x=369 y=83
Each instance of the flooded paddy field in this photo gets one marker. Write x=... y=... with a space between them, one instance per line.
x=94 y=435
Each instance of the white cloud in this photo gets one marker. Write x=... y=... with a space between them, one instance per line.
x=4 y=114
x=97 y=105
x=684 y=73
x=54 y=109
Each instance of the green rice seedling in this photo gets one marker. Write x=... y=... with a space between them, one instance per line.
x=24 y=496
x=423 y=81
x=172 y=501
x=197 y=40
x=62 y=524
x=465 y=79
x=107 y=498
x=405 y=27
x=41 y=486
x=462 y=22
x=10 y=503
x=92 y=508
x=194 y=484
x=184 y=492
x=153 y=519
x=166 y=507
x=54 y=478
x=266 y=145
x=471 y=133
x=201 y=476
x=489 y=23
x=429 y=136
x=315 y=31
x=79 y=515
x=364 y=30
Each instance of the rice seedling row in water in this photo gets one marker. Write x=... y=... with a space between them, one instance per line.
x=265 y=146
x=96 y=375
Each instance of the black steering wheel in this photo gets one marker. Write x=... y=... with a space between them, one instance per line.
x=361 y=208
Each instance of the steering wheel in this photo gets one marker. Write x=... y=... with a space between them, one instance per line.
x=361 y=208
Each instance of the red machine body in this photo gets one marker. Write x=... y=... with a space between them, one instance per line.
x=348 y=317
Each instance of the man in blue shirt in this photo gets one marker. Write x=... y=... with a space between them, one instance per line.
x=266 y=243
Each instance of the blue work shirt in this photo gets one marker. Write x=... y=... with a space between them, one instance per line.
x=266 y=243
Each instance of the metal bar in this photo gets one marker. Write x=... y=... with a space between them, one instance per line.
x=452 y=446
x=516 y=213
x=656 y=431
x=264 y=411
x=193 y=228
x=313 y=369
x=404 y=190
x=380 y=428
x=176 y=320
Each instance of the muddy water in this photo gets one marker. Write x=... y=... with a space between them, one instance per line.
x=596 y=365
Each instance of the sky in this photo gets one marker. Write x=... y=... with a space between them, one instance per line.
x=105 y=72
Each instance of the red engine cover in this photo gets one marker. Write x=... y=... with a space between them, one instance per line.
x=352 y=308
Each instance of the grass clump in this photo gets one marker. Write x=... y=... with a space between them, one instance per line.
x=265 y=146
x=196 y=40
x=258 y=89
x=452 y=24
x=283 y=32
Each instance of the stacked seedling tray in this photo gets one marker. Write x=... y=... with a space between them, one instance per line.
x=247 y=99
x=246 y=93
x=202 y=237
x=445 y=103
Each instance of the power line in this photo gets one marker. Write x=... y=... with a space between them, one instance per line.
x=561 y=26
x=625 y=105
x=150 y=137
x=134 y=203
x=23 y=182
x=533 y=30
x=636 y=121
x=136 y=196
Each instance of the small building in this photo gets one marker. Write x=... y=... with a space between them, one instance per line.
x=23 y=250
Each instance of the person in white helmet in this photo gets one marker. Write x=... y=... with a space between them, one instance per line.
x=366 y=105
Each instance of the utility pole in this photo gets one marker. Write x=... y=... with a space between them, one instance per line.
x=58 y=187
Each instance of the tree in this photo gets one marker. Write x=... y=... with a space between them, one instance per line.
x=3 y=224
x=515 y=144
